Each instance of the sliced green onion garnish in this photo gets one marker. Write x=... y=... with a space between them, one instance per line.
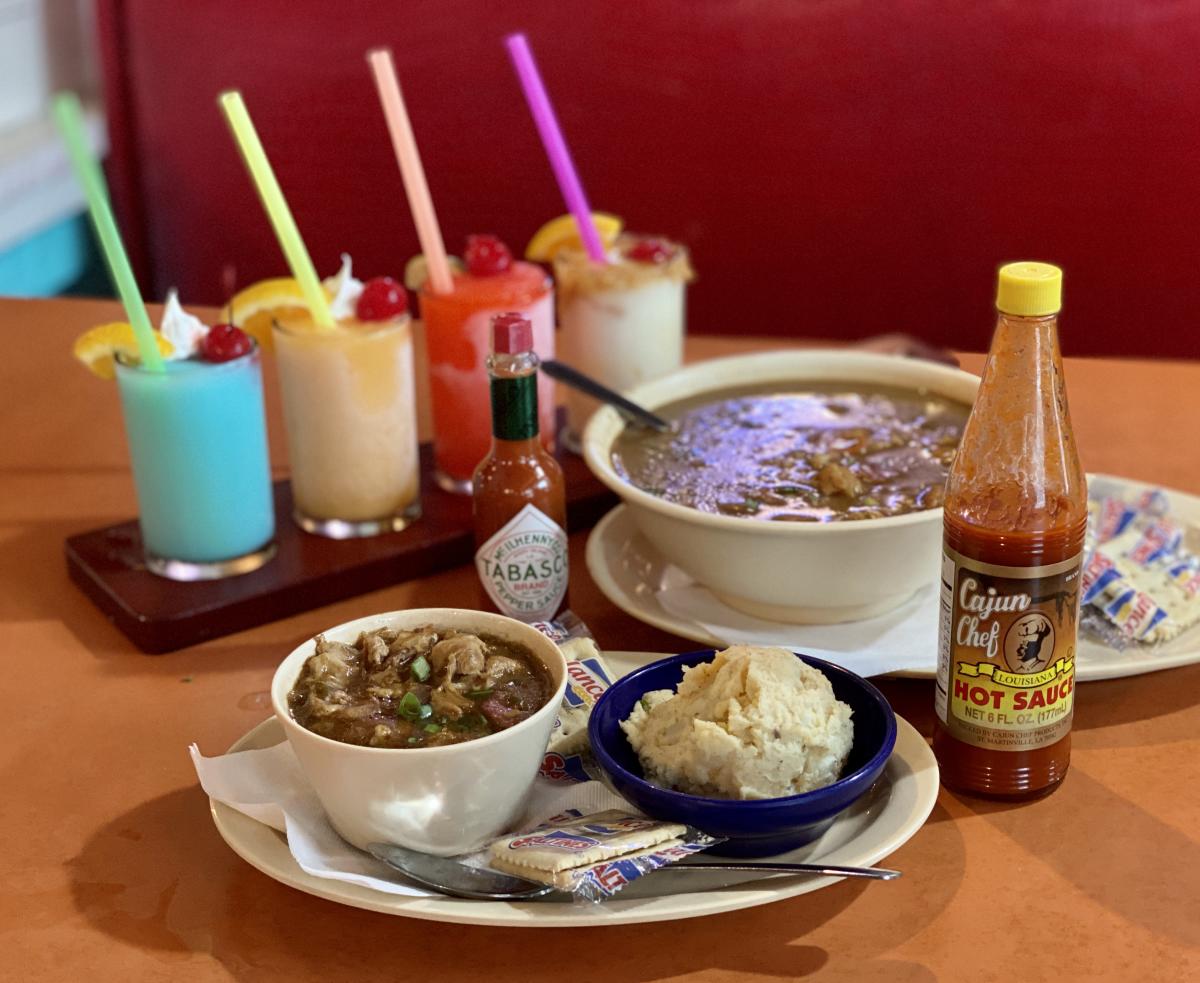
x=475 y=694
x=432 y=728
x=425 y=712
x=420 y=669
x=409 y=706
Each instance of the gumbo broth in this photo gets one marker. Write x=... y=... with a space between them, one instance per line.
x=423 y=687
x=813 y=452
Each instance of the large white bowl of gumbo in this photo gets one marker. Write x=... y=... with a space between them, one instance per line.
x=805 y=452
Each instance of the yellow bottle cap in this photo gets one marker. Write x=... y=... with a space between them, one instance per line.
x=1029 y=289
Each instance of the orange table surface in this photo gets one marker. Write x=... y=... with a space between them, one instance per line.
x=110 y=868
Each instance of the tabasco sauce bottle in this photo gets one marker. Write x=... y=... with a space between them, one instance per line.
x=1015 y=512
x=519 y=498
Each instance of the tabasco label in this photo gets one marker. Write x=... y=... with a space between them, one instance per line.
x=1006 y=652
x=523 y=566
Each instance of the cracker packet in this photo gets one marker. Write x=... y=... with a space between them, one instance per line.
x=568 y=755
x=1141 y=573
x=593 y=857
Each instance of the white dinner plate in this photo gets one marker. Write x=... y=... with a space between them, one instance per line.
x=875 y=826
x=630 y=572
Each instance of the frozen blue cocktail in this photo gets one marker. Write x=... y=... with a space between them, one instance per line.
x=198 y=442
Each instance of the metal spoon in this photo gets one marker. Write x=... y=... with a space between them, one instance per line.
x=589 y=386
x=448 y=876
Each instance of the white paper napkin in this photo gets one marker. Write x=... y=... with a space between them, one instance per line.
x=901 y=640
x=269 y=786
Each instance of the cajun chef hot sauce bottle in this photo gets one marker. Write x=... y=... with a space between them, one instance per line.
x=1015 y=512
x=520 y=504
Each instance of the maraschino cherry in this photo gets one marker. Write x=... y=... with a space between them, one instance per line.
x=650 y=251
x=381 y=300
x=486 y=256
x=224 y=343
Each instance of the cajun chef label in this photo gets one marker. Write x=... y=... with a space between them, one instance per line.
x=1006 y=652
x=524 y=566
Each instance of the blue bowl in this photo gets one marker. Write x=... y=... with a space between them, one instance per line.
x=754 y=827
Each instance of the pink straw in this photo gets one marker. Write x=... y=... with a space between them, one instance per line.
x=415 y=186
x=556 y=146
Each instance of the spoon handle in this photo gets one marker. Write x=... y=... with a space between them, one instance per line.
x=585 y=384
x=875 y=873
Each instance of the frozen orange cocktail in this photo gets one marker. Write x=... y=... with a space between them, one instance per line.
x=349 y=408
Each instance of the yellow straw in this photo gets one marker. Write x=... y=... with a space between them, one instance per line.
x=277 y=208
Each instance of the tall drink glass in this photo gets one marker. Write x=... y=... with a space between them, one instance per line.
x=457 y=335
x=349 y=408
x=620 y=322
x=198 y=443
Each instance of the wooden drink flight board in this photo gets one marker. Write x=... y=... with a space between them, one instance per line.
x=160 y=615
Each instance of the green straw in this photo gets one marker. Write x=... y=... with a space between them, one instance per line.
x=69 y=116
x=277 y=209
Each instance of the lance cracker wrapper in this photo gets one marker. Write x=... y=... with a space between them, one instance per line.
x=1141 y=575
x=593 y=857
x=568 y=755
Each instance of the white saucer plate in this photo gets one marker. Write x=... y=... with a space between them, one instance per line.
x=630 y=572
x=874 y=827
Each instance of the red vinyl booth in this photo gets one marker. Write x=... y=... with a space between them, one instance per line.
x=838 y=169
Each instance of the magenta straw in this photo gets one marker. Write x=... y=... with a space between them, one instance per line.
x=556 y=146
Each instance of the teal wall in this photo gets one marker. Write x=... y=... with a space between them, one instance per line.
x=57 y=260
